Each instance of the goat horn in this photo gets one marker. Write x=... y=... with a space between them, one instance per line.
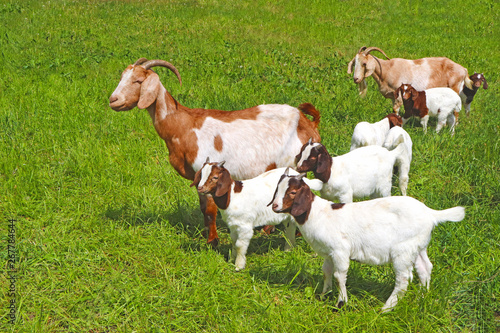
x=140 y=61
x=362 y=49
x=368 y=50
x=152 y=63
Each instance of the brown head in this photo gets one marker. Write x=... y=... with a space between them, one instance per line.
x=212 y=179
x=293 y=196
x=314 y=157
x=364 y=66
x=406 y=91
x=478 y=79
x=394 y=120
x=139 y=85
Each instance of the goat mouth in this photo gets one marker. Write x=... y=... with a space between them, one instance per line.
x=301 y=169
x=119 y=107
x=277 y=210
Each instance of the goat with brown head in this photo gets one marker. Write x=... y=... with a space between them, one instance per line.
x=139 y=85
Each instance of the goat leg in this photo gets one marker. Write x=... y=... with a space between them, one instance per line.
x=209 y=210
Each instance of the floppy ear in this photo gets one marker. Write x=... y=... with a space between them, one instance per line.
x=414 y=94
x=324 y=160
x=349 y=65
x=223 y=184
x=149 y=90
x=197 y=179
x=397 y=92
x=322 y=163
x=302 y=201
x=485 y=84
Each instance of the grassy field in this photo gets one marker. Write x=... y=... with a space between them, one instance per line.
x=108 y=236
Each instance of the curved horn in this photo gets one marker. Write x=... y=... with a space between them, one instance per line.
x=368 y=50
x=140 y=61
x=152 y=63
x=362 y=49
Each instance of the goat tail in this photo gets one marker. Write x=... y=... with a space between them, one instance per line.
x=402 y=161
x=309 y=109
x=455 y=214
x=401 y=154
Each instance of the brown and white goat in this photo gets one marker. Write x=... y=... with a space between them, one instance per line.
x=251 y=141
x=393 y=230
x=422 y=73
x=442 y=103
x=477 y=79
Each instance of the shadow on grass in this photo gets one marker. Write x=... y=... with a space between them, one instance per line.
x=363 y=281
x=183 y=218
x=189 y=220
x=298 y=275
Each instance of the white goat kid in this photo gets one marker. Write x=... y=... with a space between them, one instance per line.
x=244 y=204
x=366 y=171
x=393 y=230
x=367 y=134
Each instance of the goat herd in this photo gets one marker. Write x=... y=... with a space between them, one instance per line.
x=240 y=161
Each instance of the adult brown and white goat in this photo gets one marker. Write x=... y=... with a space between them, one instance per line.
x=422 y=73
x=251 y=141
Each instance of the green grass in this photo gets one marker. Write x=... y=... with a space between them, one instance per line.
x=108 y=236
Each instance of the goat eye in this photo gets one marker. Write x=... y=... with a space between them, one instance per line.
x=215 y=178
x=293 y=192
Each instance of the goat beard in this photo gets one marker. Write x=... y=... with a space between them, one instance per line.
x=362 y=87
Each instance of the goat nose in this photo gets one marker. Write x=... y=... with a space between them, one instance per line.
x=275 y=206
x=112 y=99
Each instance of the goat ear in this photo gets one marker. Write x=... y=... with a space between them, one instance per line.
x=370 y=67
x=197 y=179
x=349 y=66
x=414 y=94
x=149 y=90
x=485 y=84
x=322 y=163
x=324 y=160
x=396 y=93
x=223 y=184
x=302 y=201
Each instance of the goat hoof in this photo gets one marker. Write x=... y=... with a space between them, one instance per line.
x=338 y=306
x=214 y=242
